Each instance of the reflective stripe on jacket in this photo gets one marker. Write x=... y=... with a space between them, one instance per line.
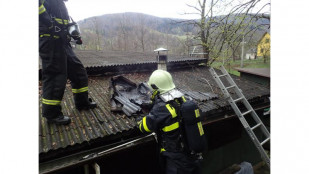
x=163 y=120
x=52 y=10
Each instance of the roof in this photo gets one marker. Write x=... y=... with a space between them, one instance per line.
x=100 y=125
x=94 y=59
x=267 y=32
x=264 y=72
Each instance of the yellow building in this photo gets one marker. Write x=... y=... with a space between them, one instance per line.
x=263 y=47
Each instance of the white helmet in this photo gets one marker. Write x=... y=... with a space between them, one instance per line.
x=162 y=81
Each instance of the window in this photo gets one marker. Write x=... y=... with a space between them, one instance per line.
x=267 y=41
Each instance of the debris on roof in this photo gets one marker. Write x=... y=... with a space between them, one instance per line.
x=132 y=97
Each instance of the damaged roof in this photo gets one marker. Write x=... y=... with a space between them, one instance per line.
x=100 y=124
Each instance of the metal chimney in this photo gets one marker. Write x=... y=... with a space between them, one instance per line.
x=162 y=58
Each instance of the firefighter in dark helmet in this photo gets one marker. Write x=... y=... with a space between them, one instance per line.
x=164 y=119
x=59 y=62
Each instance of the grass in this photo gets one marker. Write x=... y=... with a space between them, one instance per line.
x=229 y=66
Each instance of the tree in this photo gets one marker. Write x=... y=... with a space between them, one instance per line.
x=142 y=30
x=96 y=28
x=124 y=32
x=220 y=33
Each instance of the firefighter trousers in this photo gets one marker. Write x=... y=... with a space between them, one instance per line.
x=179 y=163
x=60 y=63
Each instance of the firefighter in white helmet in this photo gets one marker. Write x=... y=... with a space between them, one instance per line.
x=163 y=119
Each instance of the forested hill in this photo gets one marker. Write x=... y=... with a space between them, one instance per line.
x=111 y=22
x=136 y=32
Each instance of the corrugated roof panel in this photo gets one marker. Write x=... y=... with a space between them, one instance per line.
x=93 y=59
x=100 y=122
x=86 y=125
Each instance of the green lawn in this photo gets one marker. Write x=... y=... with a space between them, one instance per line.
x=229 y=66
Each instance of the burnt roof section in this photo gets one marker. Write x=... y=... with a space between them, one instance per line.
x=132 y=99
x=100 y=124
x=264 y=72
x=129 y=97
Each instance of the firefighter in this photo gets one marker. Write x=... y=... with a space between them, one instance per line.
x=163 y=119
x=59 y=62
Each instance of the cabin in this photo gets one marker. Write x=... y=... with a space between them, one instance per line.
x=103 y=140
x=251 y=54
x=263 y=47
x=257 y=75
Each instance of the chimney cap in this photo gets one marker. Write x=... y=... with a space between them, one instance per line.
x=160 y=49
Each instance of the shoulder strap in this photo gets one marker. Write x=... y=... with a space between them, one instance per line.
x=177 y=105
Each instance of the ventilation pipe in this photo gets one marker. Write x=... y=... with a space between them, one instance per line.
x=162 y=58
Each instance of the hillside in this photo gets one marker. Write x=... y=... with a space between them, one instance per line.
x=138 y=32
x=110 y=22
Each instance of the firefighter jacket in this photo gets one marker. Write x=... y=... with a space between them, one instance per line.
x=53 y=18
x=163 y=120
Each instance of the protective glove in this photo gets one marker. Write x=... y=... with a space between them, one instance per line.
x=139 y=120
x=154 y=94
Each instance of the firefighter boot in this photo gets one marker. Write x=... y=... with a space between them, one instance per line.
x=83 y=102
x=53 y=114
x=60 y=120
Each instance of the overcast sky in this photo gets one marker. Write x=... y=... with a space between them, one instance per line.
x=81 y=9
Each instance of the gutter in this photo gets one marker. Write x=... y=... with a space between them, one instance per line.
x=90 y=156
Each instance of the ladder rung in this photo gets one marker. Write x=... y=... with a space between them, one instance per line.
x=238 y=99
x=222 y=75
x=245 y=113
x=267 y=139
x=254 y=127
x=230 y=87
x=240 y=115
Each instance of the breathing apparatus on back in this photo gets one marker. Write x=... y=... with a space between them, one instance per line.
x=163 y=86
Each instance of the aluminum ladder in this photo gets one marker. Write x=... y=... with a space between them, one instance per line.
x=241 y=115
